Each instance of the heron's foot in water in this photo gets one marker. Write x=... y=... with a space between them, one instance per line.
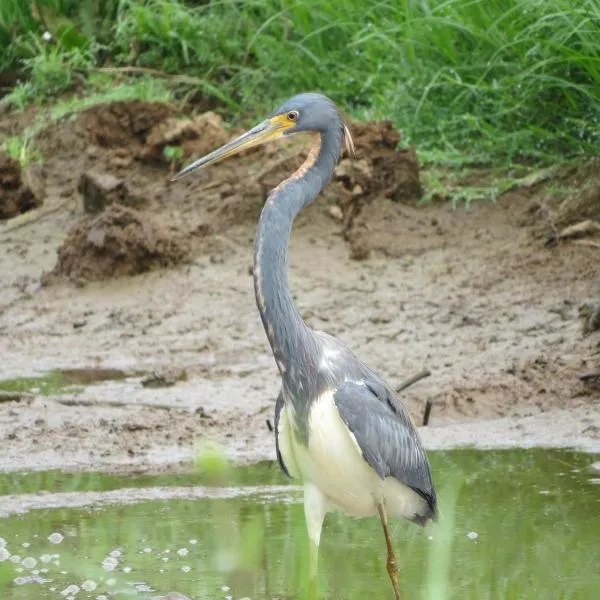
x=392 y=569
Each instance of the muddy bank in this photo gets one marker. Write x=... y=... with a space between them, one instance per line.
x=479 y=297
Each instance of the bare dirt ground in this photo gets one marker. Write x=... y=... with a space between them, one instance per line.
x=121 y=270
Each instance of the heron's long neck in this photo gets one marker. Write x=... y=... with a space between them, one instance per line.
x=289 y=336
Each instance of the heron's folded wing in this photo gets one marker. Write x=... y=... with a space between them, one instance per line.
x=386 y=436
x=278 y=407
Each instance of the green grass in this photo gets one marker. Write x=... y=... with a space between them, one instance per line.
x=470 y=81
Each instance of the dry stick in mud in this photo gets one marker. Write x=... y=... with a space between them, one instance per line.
x=32 y=216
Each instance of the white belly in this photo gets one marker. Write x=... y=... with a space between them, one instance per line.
x=333 y=462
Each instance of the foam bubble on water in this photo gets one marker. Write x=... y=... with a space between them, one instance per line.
x=186 y=569
x=116 y=553
x=147 y=550
x=70 y=590
x=165 y=559
x=2 y=542
x=109 y=563
x=25 y=579
x=126 y=569
x=193 y=542
x=472 y=535
x=88 y=585
x=15 y=558
x=45 y=558
x=110 y=582
x=225 y=588
x=25 y=544
x=19 y=569
x=29 y=562
x=56 y=538
x=182 y=551
x=4 y=554
x=101 y=597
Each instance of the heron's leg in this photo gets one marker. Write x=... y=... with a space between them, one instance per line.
x=314 y=513
x=392 y=564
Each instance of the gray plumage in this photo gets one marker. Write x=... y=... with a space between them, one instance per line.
x=337 y=424
x=381 y=425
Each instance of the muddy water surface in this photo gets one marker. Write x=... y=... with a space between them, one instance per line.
x=515 y=524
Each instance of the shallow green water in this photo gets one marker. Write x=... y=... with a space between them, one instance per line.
x=515 y=525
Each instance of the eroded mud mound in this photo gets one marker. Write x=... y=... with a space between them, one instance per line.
x=15 y=196
x=124 y=153
x=121 y=124
x=119 y=241
x=379 y=170
x=142 y=130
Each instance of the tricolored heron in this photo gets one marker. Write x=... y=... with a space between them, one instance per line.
x=338 y=426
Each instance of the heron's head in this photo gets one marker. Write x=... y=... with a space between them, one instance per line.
x=308 y=112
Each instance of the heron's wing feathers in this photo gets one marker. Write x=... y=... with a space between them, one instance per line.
x=278 y=407
x=386 y=436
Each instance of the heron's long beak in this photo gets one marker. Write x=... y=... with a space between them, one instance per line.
x=266 y=131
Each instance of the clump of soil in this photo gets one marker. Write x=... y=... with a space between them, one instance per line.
x=123 y=124
x=570 y=208
x=195 y=137
x=379 y=170
x=99 y=190
x=119 y=241
x=579 y=206
x=142 y=130
x=380 y=167
x=15 y=196
x=124 y=153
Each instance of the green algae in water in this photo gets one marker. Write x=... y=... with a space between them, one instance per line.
x=522 y=524
x=48 y=384
x=61 y=381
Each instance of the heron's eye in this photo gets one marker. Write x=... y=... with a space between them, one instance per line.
x=293 y=115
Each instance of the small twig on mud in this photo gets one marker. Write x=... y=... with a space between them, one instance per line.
x=32 y=216
x=579 y=229
x=269 y=425
x=589 y=377
x=412 y=380
x=211 y=185
x=427 y=412
x=15 y=396
x=118 y=404
x=587 y=243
